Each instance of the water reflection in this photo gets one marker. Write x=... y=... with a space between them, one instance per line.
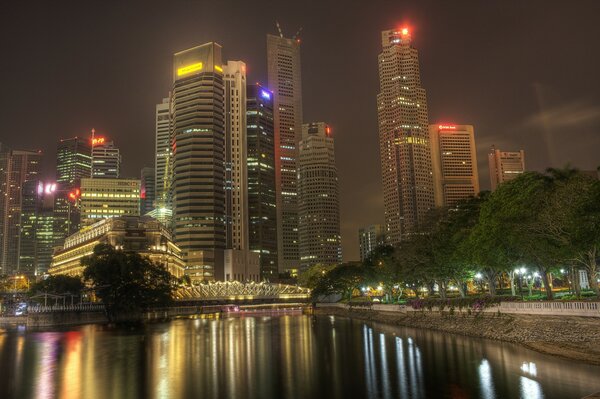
x=275 y=357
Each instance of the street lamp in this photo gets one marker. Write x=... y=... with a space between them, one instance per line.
x=520 y=272
x=479 y=277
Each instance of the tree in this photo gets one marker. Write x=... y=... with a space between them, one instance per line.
x=58 y=284
x=126 y=282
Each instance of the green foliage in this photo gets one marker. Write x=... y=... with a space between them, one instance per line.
x=59 y=284
x=127 y=282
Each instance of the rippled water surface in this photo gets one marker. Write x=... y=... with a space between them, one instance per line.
x=293 y=356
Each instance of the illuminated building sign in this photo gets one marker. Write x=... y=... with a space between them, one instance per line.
x=98 y=141
x=265 y=94
x=447 y=127
x=46 y=188
x=189 y=69
x=217 y=68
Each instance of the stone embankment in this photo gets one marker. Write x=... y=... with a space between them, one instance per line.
x=571 y=337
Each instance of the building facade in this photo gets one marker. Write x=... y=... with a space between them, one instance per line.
x=454 y=160
x=318 y=198
x=369 y=238
x=141 y=234
x=73 y=163
x=198 y=129
x=404 y=145
x=17 y=167
x=163 y=151
x=284 y=80
x=37 y=239
x=147 y=190
x=236 y=168
x=106 y=159
x=505 y=165
x=108 y=198
x=262 y=209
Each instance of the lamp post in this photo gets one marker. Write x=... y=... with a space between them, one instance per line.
x=478 y=278
x=520 y=272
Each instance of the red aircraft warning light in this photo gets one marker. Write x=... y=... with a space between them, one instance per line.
x=74 y=195
x=404 y=31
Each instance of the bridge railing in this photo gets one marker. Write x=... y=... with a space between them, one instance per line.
x=82 y=307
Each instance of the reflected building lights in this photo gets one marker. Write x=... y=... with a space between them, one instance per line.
x=530 y=389
x=486 y=382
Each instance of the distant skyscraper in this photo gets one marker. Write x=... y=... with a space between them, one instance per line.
x=37 y=227
x=262 y=210
x=147 y=193
x=505 y=166
x=318 y=197
x=284 y=79
x=163 y=151
x=73 y=163
x=369 y=238
x=454 y=159
x=236 y=168
x=107 y=198
x=403 y=136
x=16 y=168
x=106 y=159
x=198 y=123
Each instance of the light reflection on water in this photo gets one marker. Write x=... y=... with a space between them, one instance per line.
x=276 y=357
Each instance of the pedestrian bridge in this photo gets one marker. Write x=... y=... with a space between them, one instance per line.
x=237 y=291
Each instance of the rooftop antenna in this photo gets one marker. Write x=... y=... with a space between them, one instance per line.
x=297 y=34
x=279 y=28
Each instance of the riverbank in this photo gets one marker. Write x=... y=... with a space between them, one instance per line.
x=569 y=337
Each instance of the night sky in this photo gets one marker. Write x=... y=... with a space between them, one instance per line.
x=525 y=73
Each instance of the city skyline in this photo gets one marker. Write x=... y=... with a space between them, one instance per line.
x=512 y=131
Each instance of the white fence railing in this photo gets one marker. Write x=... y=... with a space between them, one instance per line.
x=548 y=308
x=82 y=307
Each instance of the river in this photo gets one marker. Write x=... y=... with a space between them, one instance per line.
x=293 y=356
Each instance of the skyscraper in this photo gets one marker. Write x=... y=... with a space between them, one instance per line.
x=163 y=151
x=284 y=79
x=37 y=227
x=505 y=165
x=198 y=123
x=107 y=198
x=16 y=168
x=236 y=168
x=106 y=159
x=73 y=163
x=403 y=136
x=454 y=159
x=318 y=197
x=369 y=238
x=262 y=210
x=147 y=190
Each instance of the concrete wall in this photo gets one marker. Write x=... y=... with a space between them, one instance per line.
x=548 y=308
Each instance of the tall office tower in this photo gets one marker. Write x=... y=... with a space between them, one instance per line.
x=198 y=123
x=236 y=168
x=106 y=159
x=284 y=79
x=403 y=136
x=37 y=227
x=369 y=238
x=454 y=159
x=163 y=151
x=107 y=198
x=262 y=210
x=505 y=166
x=73 y=163
x=16 y=168
x=318 y=197
x=147 y=190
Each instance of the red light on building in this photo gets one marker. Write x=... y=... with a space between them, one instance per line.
x=328 y=130
x=447 y=127
x=97 y=141
x=404 y=31
x=74 y=195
